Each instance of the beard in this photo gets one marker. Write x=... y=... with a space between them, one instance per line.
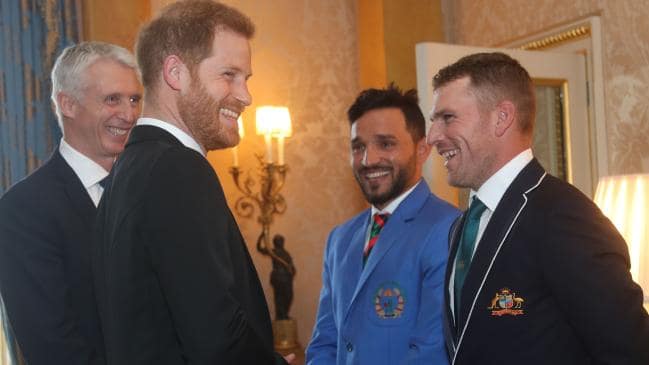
x=398 y=185
x=200 y=113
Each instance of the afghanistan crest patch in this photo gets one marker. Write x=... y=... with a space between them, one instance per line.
x=506 y=302
x=389 y=301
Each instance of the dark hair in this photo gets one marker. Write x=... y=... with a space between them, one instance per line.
x=185 y=28
x=391 y=97
x=495 y=77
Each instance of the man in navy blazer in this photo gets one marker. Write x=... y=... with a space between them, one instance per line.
x=536 y=273
x=46 y=219
x=381 y=297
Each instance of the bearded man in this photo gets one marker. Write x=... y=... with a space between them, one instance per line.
x=383 y=276
x=174 y=280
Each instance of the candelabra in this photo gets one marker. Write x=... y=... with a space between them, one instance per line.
x=272 y=122
x=267 y=200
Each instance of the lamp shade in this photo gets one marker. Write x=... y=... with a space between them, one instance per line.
x=624 y=199
x=274 y=121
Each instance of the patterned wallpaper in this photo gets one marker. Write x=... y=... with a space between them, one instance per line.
x=625 y=25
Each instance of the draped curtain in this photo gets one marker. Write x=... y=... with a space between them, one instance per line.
x=32 y=34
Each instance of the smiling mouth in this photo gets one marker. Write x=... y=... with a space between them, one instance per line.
x=448 y=155
x=229 y=113
x=118 y=132
x=376 y=174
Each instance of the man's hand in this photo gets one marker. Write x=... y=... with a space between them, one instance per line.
x=289 y=358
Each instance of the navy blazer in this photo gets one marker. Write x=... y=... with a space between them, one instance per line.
x=174 y=280
x=549 y=284
x=390 y=311
x=45 y=277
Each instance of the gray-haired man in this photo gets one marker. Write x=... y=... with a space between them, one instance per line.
x=46 y=219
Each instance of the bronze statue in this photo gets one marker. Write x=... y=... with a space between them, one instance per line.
x=281 y=277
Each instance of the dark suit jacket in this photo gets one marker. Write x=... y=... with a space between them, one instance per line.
x=549 y=284
x=45 y=276
x=175 y=282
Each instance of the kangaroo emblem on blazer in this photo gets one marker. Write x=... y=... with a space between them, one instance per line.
x=505 y=302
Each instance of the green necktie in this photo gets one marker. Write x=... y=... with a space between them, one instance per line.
x=378 y=222
x=467 y=243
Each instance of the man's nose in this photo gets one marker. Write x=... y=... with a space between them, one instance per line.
x=243 y=95
x=371 y=156
x=434 y=134
x=129 y=112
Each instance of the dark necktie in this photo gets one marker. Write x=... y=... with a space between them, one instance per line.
x=104 y=182
x=465 y=250
x=378 y=222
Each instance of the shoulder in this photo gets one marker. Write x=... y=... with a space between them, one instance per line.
x=436 y=211
x=352 y=224
x=343 y=233
x=556 y=196
x=39 y=188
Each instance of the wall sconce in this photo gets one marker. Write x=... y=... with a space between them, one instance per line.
x=624 y=199
x=273 y=123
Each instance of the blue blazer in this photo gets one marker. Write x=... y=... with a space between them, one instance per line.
x=389 y=312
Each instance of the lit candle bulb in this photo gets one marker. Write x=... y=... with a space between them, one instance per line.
x=235 y=149
x=235 y=156
x=280 y=150
x=269 y=148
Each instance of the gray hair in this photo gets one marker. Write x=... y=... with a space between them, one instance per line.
x=67 y=72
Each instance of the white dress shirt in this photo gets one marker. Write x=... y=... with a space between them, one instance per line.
x=184 y=138
x=88 y=171
x=490 y=193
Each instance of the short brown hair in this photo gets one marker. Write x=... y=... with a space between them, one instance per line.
x=185 y=28
x=493 y=78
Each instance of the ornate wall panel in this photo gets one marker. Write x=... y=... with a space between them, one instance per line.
x=625 y=56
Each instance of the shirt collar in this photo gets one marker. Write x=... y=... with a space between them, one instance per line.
x=181 y=135
x=88 y=171
x=394 y=204
x=494 y=188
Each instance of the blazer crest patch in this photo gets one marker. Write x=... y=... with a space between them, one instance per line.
x=389 y=301
x=505 y=302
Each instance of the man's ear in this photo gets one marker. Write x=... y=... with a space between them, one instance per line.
x=67 y=104
x=506 y=117
x=173 y=72
x=423 y=150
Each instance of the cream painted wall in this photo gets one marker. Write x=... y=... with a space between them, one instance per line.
x=625 y=30
x=99 y=19
x=388 y=31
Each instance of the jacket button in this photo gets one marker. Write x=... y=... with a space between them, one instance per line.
x=350 y=347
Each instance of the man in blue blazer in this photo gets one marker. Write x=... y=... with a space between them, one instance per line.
x=536 y=273
x=381 y=298
x=46 y=219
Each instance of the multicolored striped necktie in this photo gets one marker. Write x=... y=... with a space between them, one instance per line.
x=378 y=221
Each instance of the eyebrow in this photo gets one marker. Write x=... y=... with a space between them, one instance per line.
x=437 y=114
x=238 y=69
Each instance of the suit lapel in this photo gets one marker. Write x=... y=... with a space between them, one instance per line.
x=502 y=221
x=391 y=233
x=352 y=263
x=454 y=238
x=74 y=189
